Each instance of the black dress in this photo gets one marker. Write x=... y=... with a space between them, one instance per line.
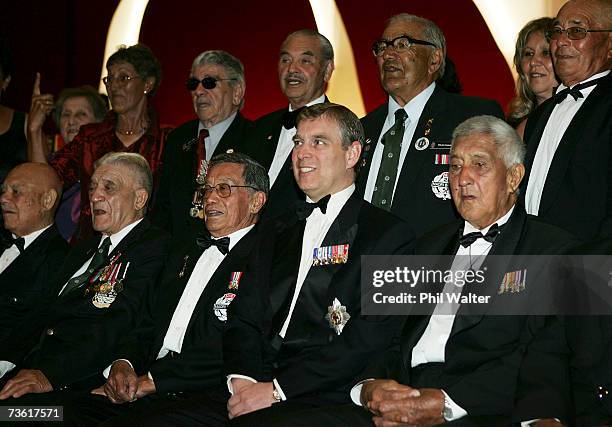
x=13 y=145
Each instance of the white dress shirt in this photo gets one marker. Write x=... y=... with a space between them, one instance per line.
x=432 y=344
x=557 y=124
x=285 y=145
x=413 y=109
x=10 y=254
x=215 y=133
x=317 y=226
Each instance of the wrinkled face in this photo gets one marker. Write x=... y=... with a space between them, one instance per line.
x=576 y=60
x=404 y=75
x=75 y=112
x=115 y=198
x=482 y=187
x=225 y=215
x=302 y=71
x=21 y=201
x=536 y=65
x=217 y=104
x=321 y=166
x=126 y=91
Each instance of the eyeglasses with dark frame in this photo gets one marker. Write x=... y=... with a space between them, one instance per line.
x=122 y=79
x=207 y=82
x=400 y=44
x=223 y=189
x=573 y=33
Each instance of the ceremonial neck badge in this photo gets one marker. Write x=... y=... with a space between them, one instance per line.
x=335 y=254
x=337 y=316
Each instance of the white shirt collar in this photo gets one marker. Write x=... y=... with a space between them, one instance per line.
x=414 y=107
x=469 y=228
x=118 y=236
x=236 y=235
x=318 y=100
x=336 y=201
x=32 y=236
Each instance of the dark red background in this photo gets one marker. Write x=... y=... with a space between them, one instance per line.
x=64 y=40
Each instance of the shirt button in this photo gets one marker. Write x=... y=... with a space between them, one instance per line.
x=392 y=132
x=390 y=155
x=50 y=331
x=387 y=178
x=14 y=299
x=383 y=201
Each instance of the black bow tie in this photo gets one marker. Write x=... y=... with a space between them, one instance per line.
x=575 y=91
x=304 y=209
x=205 y=241
x=7 y=240
x=467 y=239
x=289 y=118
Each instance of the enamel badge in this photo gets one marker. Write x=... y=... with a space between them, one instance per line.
x=421 y=143
x=220 y=306
x=337 y=316
x=439 y=186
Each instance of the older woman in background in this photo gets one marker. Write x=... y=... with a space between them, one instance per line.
x=536 y=76
x=74 y=108
x=131 y=126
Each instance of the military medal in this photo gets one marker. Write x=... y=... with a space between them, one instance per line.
x=442 y=159
x=325 y=255
x=513 y=282
x=428 y=126
x=197 y=209
x=337 y=316
x=109 y=284
x=439 y=186
x=235 y=280
x=220 y=306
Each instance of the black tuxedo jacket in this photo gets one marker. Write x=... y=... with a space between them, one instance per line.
x=72 y=339
x=285 y=191
x=577 y=194
x=312 y=361
x=26 y=283
x=172 y=200
x=414 y=201
x=484 y=353
x=198 y=366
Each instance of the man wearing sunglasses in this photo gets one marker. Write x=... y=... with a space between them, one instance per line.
x=176 y=352
x=406 y=156
x=305 y=65
x=569 y=137
x=217 y=86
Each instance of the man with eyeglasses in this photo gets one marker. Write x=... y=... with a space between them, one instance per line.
x=176 y=352
x=569 y=137
x=305 y=65
x=217 y=88
x=406 y=156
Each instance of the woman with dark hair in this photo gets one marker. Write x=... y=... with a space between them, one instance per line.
x=134 y=74
x=536 y=76
x=12 y=123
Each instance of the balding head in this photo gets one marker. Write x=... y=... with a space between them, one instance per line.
x=30 y=195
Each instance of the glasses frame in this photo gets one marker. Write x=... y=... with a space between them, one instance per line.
x=391 y=43
x=207 y=189
x=558 y=31
x=124 y=80
x=207 y=82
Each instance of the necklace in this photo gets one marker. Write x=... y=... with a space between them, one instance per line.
x=143 y=127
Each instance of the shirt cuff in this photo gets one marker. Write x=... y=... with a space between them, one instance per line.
x=530 y=422
x=232 y=376
x=279 y=389
x=106 y=372
x=356 y=391
x=6 y=366
x=457 y=411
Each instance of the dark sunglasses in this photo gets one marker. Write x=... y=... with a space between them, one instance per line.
x=207 y=82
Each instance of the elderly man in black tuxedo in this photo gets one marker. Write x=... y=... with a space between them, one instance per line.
x=217 y=86
x=406 y=156
x=101 y=285
x=569 y=137
x=457 y=367
x=176 y=351
x=32 y=247
x=305 y=65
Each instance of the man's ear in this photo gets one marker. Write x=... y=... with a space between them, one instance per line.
x=353 y=153
x=141 y=199
x=257 y=202
x=238 y=93
x=48 y=199
x=329 y=69
x=435 y=61
x=514 y=177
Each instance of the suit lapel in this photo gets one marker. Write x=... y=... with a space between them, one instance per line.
x=372 y=125
x=231 y=136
